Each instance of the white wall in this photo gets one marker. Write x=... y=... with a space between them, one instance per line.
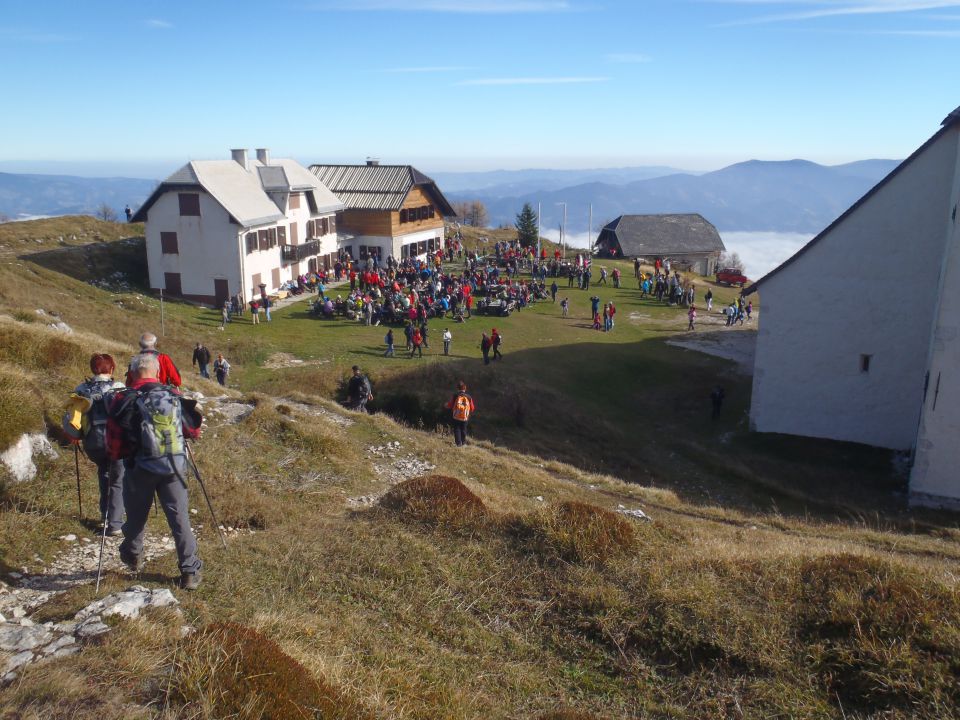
x=867 y=287
x=935 y=478
x=210 y=247
x=206 y=244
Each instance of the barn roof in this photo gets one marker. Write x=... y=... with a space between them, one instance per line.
x=244 y=193
x=948 y=122
x=378 y=187
x=663 y=235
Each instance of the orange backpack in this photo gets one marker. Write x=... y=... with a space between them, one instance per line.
x=461 y=408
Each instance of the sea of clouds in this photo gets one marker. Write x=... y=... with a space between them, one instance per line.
x=760 y=252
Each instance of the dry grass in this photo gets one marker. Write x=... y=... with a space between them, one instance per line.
x=577 y=532
x=437 y=501
x=226 y=670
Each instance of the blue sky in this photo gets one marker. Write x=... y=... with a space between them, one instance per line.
x=141 y=87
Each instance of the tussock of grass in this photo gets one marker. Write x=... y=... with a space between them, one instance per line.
x=881 y=636
x=226 y=670
x=21 y=406
x=437 y=501
x=577 y=532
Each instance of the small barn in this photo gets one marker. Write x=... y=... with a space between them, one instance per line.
x=686 y=240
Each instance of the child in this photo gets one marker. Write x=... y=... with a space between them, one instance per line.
x=692 y=315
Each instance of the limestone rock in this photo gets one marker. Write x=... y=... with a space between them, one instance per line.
x=18 y=458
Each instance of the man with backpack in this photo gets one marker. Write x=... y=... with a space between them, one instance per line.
x=167 y=373
x=359 y=392
x=148 y=425
x=461 y=408
x=97 y=394
x=201 y=358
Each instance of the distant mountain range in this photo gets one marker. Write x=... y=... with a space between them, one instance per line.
x=790 y=196
x=26 y=195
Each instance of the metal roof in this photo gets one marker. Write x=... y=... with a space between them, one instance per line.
x=244 y=192
x=378 y=187
x=662 y=235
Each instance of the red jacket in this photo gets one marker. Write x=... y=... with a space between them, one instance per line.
x=168 y=375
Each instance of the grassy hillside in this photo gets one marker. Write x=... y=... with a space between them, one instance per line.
x=777 y=578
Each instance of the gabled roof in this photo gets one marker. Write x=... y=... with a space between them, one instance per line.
x=663 y=235
x=378 y=187
x=948 y=122
x=245 y=194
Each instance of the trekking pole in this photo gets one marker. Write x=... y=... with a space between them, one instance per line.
x=76 y=464
x=196 y=473
x=103 y=540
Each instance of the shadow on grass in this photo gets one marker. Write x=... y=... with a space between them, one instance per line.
x=642 y=412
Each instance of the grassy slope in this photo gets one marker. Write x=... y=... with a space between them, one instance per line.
x=725 y=607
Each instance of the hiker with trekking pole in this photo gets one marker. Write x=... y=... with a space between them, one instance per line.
x=85 y=422
x=149 y=424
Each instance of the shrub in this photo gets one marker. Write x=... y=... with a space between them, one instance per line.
x=438 y=501
x=578 y=532
x=880 y=636
x=226 y=670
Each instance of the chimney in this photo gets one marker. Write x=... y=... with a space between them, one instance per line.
x=240 y=156
x=372 y=161
x=263 y=155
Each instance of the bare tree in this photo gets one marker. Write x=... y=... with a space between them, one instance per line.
x=106 y=213
x=731 y=260
x=472 y=212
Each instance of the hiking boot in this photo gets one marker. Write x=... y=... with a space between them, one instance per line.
x=134 y=562
x=190 y=581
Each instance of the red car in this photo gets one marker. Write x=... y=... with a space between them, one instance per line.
x=731 y=276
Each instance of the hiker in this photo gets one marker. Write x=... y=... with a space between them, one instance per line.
x=553 y=290
x=603 y=276
x=564 y=307
x=594 y=305
x=423 y=334
x=485 y=345
x=148 y=425
x=167 y=373
x=96 y=395
x=128 y=212
x=416 y=342
x=359 y=392
x=225 y=315
x=691 y=316
x=496 y=340
x=221 y=368
x=461 y=408
x=716 y=398
x=709 y=298
x=388 y=339
x=612 y=311
x=201 y=357
x=447 y=339
x=616 y=277
x=265 y=305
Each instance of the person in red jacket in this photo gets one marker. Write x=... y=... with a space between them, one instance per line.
x=168 y=374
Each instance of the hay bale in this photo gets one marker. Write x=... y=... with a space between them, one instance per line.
x=437 y=501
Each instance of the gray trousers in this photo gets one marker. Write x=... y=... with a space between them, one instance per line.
x=139 y=487
x=110 y=476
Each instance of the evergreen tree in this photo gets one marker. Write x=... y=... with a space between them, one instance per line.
x=527 y=226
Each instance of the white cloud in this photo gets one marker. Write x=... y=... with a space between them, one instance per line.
x=840 y=8
x=533 y=81
x=453 y=6
x=161 y=24
x=31 y=36
x=428 y=69
x=627 y=58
